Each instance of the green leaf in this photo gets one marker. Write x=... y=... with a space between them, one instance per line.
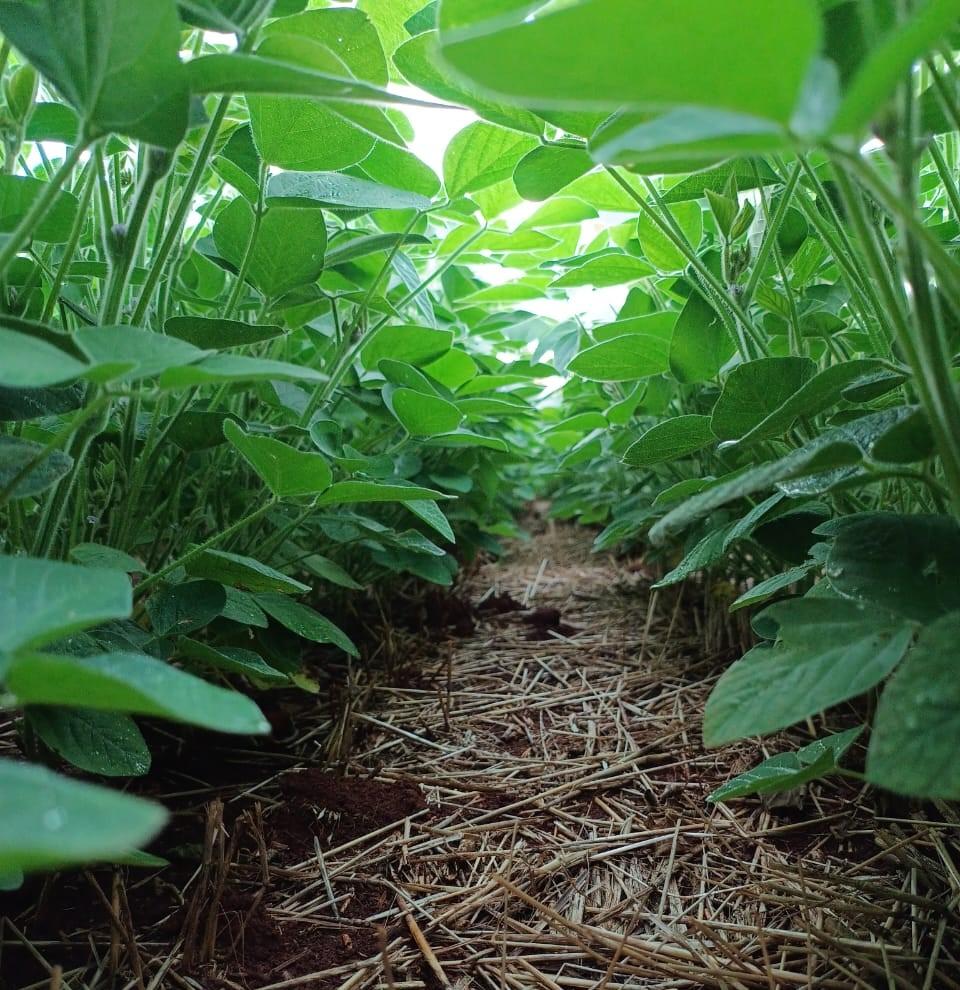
x=429 y=512
x=124 y=77
x=828 y=650
x=18 y=405
x=622 y=359
x=684 y=139
x=328 y=570
x=908 y=565
x=611 y=269
x=237 y=368
x=217 y=334
x=419 y=61
x=286 y=471
x=106 y=743
x=786 y=771
x=754 y=390
x=42 y=600
x=144 y=353
x=289 y=247
x=49 y=821
x=709 y=551
x=422 y=415
x=549 y=168
x=232 y=660
x=337 y=191
x=411 y=344
x=97 y=555
x=134 y=683
x=701 y=345
x=670 y=440
x=17 y=194
x=883 y=69
x=481 y=155
x=659 y=250
x=283 y=76
x=305 y=622
x=242 y=572
x=739 y=55
x=351 y=492
x=815 y=395
x=16 y=454
x=823 y=454
x=198 y=429
x=916 y=734
x=307 y=135
x=181 y=608
x=30 y=362
x=765 y=590
x=243 y=608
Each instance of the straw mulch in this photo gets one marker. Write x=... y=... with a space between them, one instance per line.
x=531 y=812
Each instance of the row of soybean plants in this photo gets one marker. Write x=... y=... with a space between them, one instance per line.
x=776 y=400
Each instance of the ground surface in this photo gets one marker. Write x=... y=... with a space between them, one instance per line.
x=524 y=808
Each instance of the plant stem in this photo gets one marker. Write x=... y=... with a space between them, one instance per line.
x=196 y=551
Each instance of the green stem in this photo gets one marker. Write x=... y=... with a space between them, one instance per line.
x=225 y=534
x=158 y=262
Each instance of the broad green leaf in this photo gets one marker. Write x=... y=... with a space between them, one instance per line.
x=125 y=76
x=909 y=565
x=216 y=334
x=17 y=194
x=465 y=438
x=754 y=390
x=307 y=135
x=741 y=55
x=824 y=454
x=97 y=555
x=43 y=600
x=30 y=362
x=289 y=248
x=408 y=343
x=18 y=405
x=765 y=590
x=612 y=269
x=701 y=345
x=242 y=572
x=16 y=455
x=547 y=169
x=242 y=607
x=351 y=492
x=133 y=683
x=670 y=440
x=419 y=61
x=286 y=471
x=712 y=549
x=105 y=743
x=233 y=660
x=328 y=570
x=429 y=512
x=337 y=191
x=305 y=622
x=815 y=395
x=199 y=429
x=683 y=140
x=49 y=821
x=350 y=248
x=916 y=735
x=786 y=771
x=481 y=155
x=237 y=368
x=828 y=650
x=423 y=415
x=149 y=353
x=659 y=250
x=182 y=608
x=883 y=69
x=622 y=359
x=281 y=76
